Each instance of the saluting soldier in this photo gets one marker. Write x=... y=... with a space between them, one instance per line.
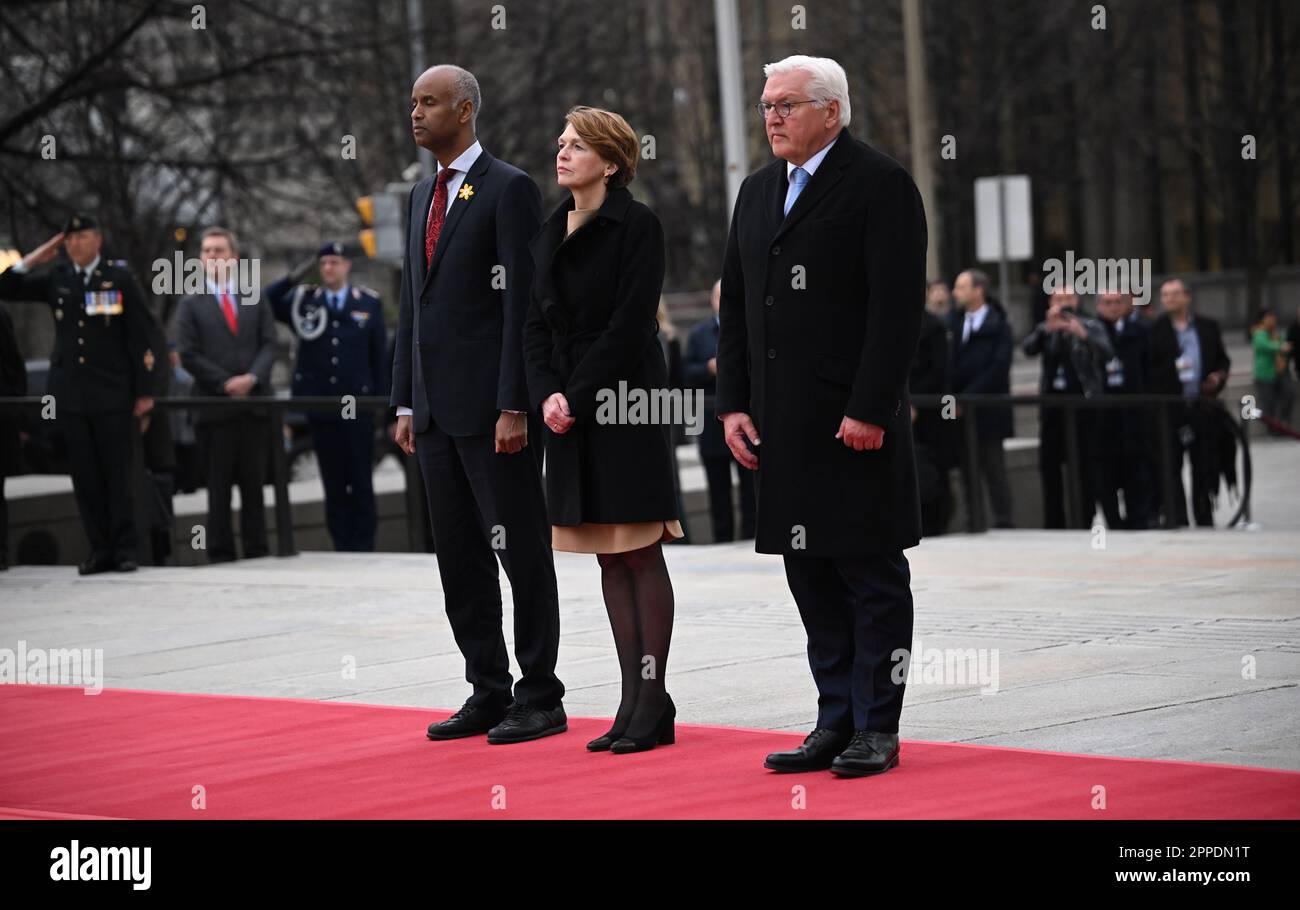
x=342 y=350
x=102 y=377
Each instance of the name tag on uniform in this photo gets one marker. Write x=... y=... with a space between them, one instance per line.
x=1114 y=372
x=103 y=303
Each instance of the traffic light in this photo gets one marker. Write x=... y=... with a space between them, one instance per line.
x=381 y=235
x=366 y=208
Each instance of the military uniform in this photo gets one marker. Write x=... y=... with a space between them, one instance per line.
x=102 y=362
x=342 y=350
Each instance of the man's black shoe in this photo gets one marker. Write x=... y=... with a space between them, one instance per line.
x=94 y=565
x=125 y=565
x=816 y=754
x=524 y=722
x=470 y=720
x=868 y=753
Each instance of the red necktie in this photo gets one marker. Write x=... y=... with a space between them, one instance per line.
x=228 y=307
x=437 y=215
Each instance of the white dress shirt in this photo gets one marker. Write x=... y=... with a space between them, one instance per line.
x=973 y=321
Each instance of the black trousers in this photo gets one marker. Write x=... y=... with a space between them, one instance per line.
x=100 y=459
x=234 y=453
x=345 y=452
x=717 y=472
x=1194 y=436
x=484 y=506
x=1053 y=461
x=858 y=616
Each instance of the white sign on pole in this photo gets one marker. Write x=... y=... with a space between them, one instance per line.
x=1003 y=202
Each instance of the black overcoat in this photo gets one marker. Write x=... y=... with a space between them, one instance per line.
x=821 y=311
x=591 y=325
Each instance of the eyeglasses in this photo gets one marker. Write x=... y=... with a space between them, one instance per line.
x=783 y=108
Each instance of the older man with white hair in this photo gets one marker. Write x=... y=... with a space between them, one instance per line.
x=823 y=287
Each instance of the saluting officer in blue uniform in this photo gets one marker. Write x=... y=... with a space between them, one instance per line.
x=342 y=350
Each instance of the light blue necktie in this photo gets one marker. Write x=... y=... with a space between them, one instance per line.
x=798 y=180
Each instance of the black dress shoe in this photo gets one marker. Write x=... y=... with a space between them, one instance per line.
x=94 y=565
x=470 y=720
x=125 y=565
x=816 y=754
x=664 y=733
x=868 y=753
x=525 y=722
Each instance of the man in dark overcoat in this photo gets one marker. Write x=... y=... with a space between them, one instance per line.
x=823 y=286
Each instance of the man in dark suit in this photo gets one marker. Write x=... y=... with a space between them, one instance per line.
x=13 y=384
x=1188 y=358
x=227 y=343
x=1123 y=435
x=700 y=371
x=981 y=364
x=823 y=285
x=342 y=350
x=102 y=377
x=462 y=405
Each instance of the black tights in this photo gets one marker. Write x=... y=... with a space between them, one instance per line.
x=639 y=600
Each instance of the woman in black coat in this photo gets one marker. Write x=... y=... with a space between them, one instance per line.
x=589 y=352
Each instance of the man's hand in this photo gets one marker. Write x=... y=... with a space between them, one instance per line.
x=512 y=432
x=43 y=253
x=556 y=414
x=736 y=428
x=1213 y=383
x=403 y=435
x=859 y=435
x=713 y=366
x=143 y=405
x=239 y=386
x=913 y=407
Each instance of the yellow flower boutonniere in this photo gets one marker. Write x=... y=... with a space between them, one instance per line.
x=466 y=191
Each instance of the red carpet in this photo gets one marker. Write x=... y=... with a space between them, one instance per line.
x=131 y=754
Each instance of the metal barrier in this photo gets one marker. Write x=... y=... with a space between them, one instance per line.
x=1161 y=405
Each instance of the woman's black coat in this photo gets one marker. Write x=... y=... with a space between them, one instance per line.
x=591 y=324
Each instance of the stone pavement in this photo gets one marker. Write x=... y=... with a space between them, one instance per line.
x=1178 y=644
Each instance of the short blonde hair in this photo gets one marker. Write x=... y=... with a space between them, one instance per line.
x=610 y=137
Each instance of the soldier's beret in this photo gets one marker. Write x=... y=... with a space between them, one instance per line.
x=79 y=222
x=333 y=248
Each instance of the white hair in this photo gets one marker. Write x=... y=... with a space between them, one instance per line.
x=826 y=79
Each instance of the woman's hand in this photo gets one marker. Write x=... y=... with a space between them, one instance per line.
x=555 y=412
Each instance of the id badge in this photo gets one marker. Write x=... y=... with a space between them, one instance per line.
x=1185 y=371
x=1114 y=372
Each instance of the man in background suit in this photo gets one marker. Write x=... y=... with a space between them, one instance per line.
x=823 y=286
x=462 y=405
x=228 y=345
x=700 y=371
x=1188 y=358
